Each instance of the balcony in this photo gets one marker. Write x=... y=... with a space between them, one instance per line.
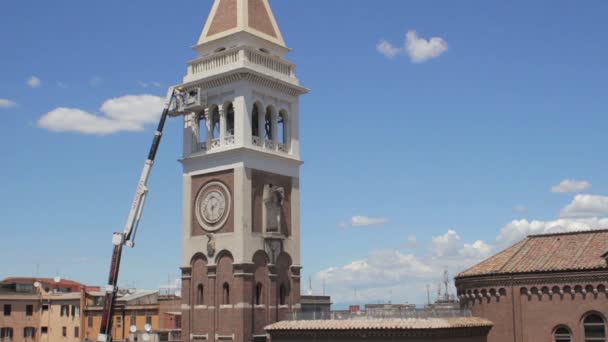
x=269 y=145
x=241 y=57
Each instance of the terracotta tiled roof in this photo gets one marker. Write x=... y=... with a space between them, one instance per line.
x=230 y=16
x=31 y=280
x=572 y=251
x=381 y=324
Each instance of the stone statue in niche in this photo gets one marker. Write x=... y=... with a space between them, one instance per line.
x=210 y=245
x=273 y=198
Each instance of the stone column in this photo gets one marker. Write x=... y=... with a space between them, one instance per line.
x=261 y=122
x=273 y=119
x=223 y=132
x=209 y=122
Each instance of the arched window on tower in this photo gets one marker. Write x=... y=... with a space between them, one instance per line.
x=258 y=294
x=282 y=127
x=268 y=124
x=562 y=334
x=230 y=120
x=202 y=128
x=595 y=328
x=200 y=295
x=215 y=122
x=226 y=294
x=282 y=295
x=255 y=121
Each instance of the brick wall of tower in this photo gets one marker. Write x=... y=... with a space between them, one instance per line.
x=242 y=318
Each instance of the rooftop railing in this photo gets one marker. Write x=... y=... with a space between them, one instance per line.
x=376 y=314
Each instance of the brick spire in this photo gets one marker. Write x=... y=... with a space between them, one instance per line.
x=228 y=17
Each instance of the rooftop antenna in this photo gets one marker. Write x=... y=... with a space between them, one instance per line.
x=439 y=292
x=310 y=286
x=324 y=286
x=446 y=282
x=428 y=294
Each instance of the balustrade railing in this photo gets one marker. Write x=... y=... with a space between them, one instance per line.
x=269 y=62
x=215 y=61
x=233 y=56
x=229 y=140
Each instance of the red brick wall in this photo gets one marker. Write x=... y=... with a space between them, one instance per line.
x=529 y=312
x=240 y=317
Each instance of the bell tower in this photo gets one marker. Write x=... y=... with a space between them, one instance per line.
x=241 y=177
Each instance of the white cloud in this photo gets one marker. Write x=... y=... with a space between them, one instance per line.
x=387 y=49
x=6 y=103
x=586 y=206
x=364 y=221
x=519 y=229
x=34 y=82
x=421 y=50
x=411 y=242
x=405 y=276
x=380 y=269
x=418 y=49
x=477 y=250
x=571 y=185
x=448 y=244
x=127 y=113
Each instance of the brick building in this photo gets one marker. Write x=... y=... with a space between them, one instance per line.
x=134 y=309
x=40 y=310
x=241 y=177
x=544 y=288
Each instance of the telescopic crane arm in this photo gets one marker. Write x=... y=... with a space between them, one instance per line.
x=127 y=237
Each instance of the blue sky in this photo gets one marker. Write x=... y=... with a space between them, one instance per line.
x=447 y=159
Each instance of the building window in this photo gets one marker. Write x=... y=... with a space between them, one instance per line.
x=562 y=334
x=44 y=330
x=7 y=309
x=90 y=321
x=45 y=307
x=149 y=320
x=6 y=333
x=282 y=295
x=230 y=120
x=200 y=295
x=258 y=294
x=119 y=322
x=595 y=328
x=64 y=332
x=255 y=121
x=226 y=294
x=76 y=332
x=65 y=310
x=29 y=310
x=29 y=332
x=133 y=319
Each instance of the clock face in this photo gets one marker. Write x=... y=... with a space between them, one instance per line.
x=213 y=206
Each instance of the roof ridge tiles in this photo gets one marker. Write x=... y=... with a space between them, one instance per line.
x=574 y=232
